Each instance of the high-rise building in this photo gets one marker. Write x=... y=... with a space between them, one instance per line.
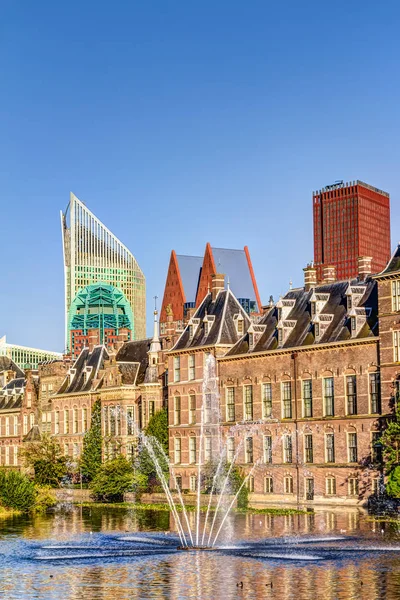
x=93 y=254
x=350 y=220
x=23 y=355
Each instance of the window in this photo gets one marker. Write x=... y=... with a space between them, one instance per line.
x=396 y=346
x=31 y=420
x=177 y=368
x=84 y=420
x=192 y=366
x=248 y=402
x=206 y=327
x=287 y=399
x=374 y=393
x=57 y=422
x=330 y=486
x=66 y=449
x=376 y=447
x=177 y=451
x=230 y=404
x=375 y=487
x=307 y=398
x=352 y=447
x=75 y=450
x=268 y=485
x=250 y=483
x=267 y=400
x=316 y=330
x=192 y=483
x=251 y=341
x=230 y=451
x=192 y=409
x=25 y=425
x=177 y=410
x=75 y=420
x=396 y=295
x=351 y=392
x=29 y=399
x=66 y=421
x=353 y=486
x=207 y=449
x=330 y=447
x=207 y=409
x=192 y=450
x=287 y=448
x=130 y=419
x=191 y=331
x=151 y=408
x=7 y=455
x=240 y=327
x=7 y=425
x=112 y=420
x=15 y=456
x=15 y=425
x=44 y=387
x=267 y=448
x=280 y=336
x=329 y=397
x=288 y=484
x=308 y=448
x=249 y=450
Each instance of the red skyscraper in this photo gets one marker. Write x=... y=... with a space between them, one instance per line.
x=351 y=220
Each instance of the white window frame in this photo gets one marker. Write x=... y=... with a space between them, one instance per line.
x=266 y=395
x=192 y=367
x=395 y=289
x=177 y=450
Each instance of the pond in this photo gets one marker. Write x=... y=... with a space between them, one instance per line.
x=115 y=554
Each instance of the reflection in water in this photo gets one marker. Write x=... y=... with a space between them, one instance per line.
x=328 y=554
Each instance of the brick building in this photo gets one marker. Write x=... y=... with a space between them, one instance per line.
x=351 y=220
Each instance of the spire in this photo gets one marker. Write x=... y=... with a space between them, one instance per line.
x=155 y=345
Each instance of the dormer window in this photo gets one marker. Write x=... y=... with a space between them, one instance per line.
x=279 y=314
x=349 y=303
x=206 y=328
x=251 y=340
x=240 y=326
x=190 y=332
x=353 y=323
x=313 y=309
x=317 y=330
x=280 y=336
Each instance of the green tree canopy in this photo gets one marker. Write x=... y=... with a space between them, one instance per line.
x=90 y=462
x=46 y=459
x=16 y=490
x=114 y=478
x=157 y=433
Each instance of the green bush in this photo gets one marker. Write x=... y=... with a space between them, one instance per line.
x=115 y=478
x=16 y=490
x=45 y=498
x=47 y=460
x=393 y=483
x=91 y=456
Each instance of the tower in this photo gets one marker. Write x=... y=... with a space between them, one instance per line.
x=93 y=254
x=350 y=220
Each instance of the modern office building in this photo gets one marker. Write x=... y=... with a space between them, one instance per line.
x=93 y=254
x=23 y=356
x=99 y=314
x=350 y=220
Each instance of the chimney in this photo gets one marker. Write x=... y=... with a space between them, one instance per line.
x=328 y=273
x=364 y=267
x=310 y=277
x=217 y=284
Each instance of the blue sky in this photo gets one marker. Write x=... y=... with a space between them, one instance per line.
x=179 y=123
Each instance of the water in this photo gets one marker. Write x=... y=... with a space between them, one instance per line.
x=108 y=553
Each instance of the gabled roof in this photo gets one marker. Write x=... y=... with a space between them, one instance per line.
x=135 y=353
x=7 y=364
x=84 y=371
x=222 y=329
x=302 y=333
x=393 y=265
x=11 y=395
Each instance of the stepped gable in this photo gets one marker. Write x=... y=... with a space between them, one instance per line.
x=134 y=353
x=220 y=316
x=302 y=331
x=84 y=370
x=7 y=364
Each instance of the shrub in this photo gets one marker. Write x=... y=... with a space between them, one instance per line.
x=47 y=460
x=16 y=490
x=115 y=478
x=91 y=456
x=393 y=483
x=45 y=498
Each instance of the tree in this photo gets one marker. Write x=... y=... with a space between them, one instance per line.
x=157 y=434
x=90 y=462
x=47 y=460
x=16 y=490
x=114 y=478
x=393 y=483
x=236 y=479
x=391 y=453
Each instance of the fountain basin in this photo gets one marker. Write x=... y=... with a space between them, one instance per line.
x=196 y=548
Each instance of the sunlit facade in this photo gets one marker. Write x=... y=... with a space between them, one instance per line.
x=93 y=254
x=24 y=356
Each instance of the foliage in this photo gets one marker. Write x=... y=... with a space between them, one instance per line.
x=91 y=455
x=17 y=491
x=236 y=479
x=47 y=460
x=45 y=498
x=114 y=479
x=393 y=483
x=157 y=432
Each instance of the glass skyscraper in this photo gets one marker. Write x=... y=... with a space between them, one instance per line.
x=93 y=254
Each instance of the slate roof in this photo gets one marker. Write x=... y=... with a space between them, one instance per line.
x=222 y=330
x=393 y=265
x=7 y=364
x=33 y=435
x=234 y=265
x=135 y=352
x=11 y=395
x=80 y=381
x=302 y=334
x=189 y=269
